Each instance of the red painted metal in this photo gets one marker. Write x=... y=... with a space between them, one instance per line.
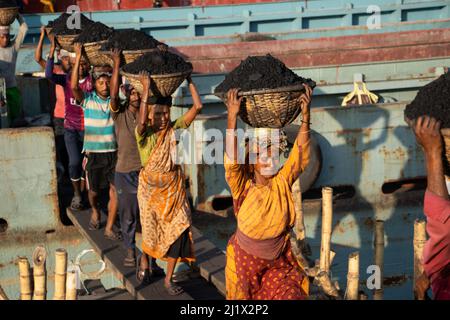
x=323 y=51
x=35 y=6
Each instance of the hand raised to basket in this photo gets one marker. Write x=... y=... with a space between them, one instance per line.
x=144 y=78
x=115 y=54
x=233 y=102
x=428 y=135
x=78 y=48
x=42 y=31
x=305 y=101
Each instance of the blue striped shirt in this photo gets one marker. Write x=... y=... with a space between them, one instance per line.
x=99 y=135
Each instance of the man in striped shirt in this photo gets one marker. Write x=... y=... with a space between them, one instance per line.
x=100 y=144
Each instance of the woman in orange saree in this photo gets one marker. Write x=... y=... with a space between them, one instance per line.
x=260 y=263
x=164 y=208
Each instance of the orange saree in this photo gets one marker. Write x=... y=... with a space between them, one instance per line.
x=164 y=207
x=260 y=264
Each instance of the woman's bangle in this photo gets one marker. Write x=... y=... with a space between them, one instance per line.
x=305 y=122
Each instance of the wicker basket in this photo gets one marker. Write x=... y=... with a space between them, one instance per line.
x=66 y=41
x=8 y=15
x=131 y=55
x=94 y=55
x=128 y=56
x=162 y=85
x=269 y=108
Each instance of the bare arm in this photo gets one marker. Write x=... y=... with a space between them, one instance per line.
x=23 y=28
x=49 y=74
x=38 y=52
x=305 y=100
x=300 y=154
x=143 y=109
x=428 y=135
x=233 y=104
x=114 y=89
x=190 y=115
x=74 y=78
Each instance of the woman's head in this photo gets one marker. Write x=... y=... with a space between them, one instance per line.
x=159 y=112
x=263 y=149
x=159 y=116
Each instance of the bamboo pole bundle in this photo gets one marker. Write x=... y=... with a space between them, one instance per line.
x=353 y=277
x=60 y=274
x=26 y=290
x=327 y=218
x=420 y=238
x=3 y=295
x=71 y=285
x=40 y=273
x=379 y=256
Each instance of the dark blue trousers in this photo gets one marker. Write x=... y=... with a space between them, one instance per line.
x=126 y=186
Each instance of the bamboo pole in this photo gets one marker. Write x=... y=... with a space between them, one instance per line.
x=26 y=290
x=71 y=285
x=353 y=277
x=420 y=238
x=332 y=255
x=379 y=256
x=299 y=226
x=40 y=273
x=3 y=295
x=60 y=274
x=327 y=218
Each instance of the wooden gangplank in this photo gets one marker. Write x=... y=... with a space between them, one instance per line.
x=210 y=260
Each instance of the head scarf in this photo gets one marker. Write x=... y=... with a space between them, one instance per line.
x=101 y=71
x=4 y=29
x=64 y=53
x=265 y=137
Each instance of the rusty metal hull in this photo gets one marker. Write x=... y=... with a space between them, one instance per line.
x=29 y=211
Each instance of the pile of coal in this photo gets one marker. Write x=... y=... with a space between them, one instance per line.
x=259 y=73
x=94 y=33
x=61 y=26
x=130 y=39
x=432 y=100
x=158 y=62
x=8 y=3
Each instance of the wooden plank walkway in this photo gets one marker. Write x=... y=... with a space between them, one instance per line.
x=210 y=260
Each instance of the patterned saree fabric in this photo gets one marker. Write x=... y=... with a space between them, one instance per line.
x=265 y=214
x=163 y=204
